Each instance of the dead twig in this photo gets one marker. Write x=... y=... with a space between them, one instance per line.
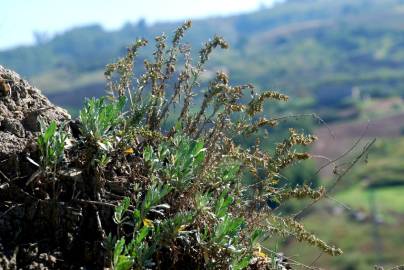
x=290 y=259
x=356 y=160
x=94 y=202
x=5 y=176
x=297 y=116
x=346 y=152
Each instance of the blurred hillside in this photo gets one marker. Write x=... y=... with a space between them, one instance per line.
x=322 y=51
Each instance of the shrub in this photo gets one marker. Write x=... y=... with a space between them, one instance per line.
x=201 y=199
x=186 y=193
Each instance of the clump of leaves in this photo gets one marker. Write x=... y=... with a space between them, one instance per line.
x=51 y=144
x=98 y=118
x=179 y=161
x=100 y=121
x=201 y=199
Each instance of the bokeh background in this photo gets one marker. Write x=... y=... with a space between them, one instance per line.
x=342 y=60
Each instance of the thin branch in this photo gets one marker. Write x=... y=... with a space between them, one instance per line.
x=5 y=176
x=9 y=209
x=290 y=259
x=346 y=152
x=99 y=224
x=353 y=163
x=316 y=259
x=315 y=116
x=95 y=203
x=338 y=202
x=321 y=157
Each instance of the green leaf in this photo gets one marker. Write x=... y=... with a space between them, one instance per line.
x=241 y=264
x=222 y=204
x=137 y=215
x=124 y=263
x=148 y=153
x=120 y=210
x=50 y=131
x=144 y=231
x=118 y=249
x=256 y=235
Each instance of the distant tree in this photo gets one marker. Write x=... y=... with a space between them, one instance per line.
x=142 y=24
x=41 y=37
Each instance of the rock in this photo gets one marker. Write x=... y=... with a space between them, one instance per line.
x=21 y=107
x=13 y=126
x=10 y=144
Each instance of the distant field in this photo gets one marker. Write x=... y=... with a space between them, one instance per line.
x=363 y=247
x=352 y=229
x=390 y=201
x=348 y=219
x=384 y=119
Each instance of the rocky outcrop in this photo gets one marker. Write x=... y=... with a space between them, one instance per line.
x=21 y=107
